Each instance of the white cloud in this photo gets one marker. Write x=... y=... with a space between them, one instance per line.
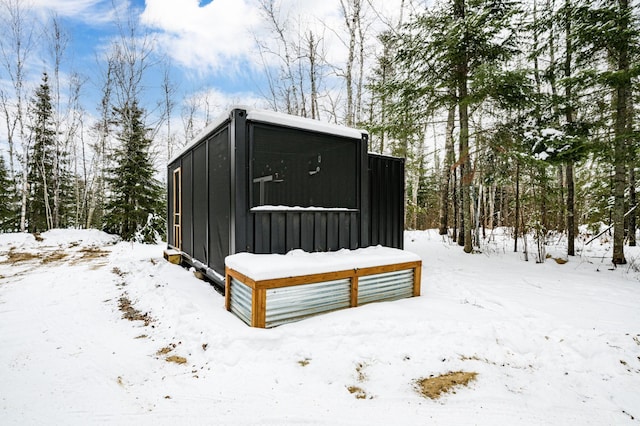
x=203 y=38
x=89 y=11
x=223 y=33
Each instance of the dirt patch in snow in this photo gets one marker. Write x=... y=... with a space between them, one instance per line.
x=90 y=253
x=358 y=392
x=56 y=256
x=52 y=256
x=434 y=386
x=164 y=350
x=304 y=362
x=361 y=377
x=177 y=359
x=130 y=313
x=14 y=257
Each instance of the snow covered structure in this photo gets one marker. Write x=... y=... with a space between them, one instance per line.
x=262 y=182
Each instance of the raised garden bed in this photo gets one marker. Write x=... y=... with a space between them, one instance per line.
x=266 y=290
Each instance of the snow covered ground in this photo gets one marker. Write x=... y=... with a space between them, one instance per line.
x=550 y=343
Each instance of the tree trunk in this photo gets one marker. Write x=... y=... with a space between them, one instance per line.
x=623 y=87
x=351 y=14
x=456 y=206
x=569 y=116
x=491 y=222
x=446 y=171
x=462 y=71
x=561 y=216
x=313 y=51
x=632 y=203
x=632 y=172
x=361 y=55
x=517 y=212
x=571 y=224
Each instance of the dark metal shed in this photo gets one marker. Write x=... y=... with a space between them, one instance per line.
x=264 y=182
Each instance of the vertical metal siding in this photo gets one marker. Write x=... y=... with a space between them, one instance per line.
x=200 y=198
x=241 y=300
x=320 y=231
x=289 y=304
x=386 y=286
x=293 y=239
x=386 y=201
x=170 y=204
x=280 y=231
x=219 y=199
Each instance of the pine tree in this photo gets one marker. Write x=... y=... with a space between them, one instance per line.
x=448 y=58
x=8 y=207
x=135 y=205
x=41 y=160
x=609 y=32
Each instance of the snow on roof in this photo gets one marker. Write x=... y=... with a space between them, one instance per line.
x=298 y=262
x=272 y=117
x=264 y=116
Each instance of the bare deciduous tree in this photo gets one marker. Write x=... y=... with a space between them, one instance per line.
x=16 y=45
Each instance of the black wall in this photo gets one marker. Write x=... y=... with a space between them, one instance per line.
x=309 y=169
x=219 y=218
x=311 y=231
x=386 y=200
x=306 y=169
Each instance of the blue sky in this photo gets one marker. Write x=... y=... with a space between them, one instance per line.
x=209 y=42
x=211 y=45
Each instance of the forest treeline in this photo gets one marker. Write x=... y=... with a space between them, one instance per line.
x=515 y=114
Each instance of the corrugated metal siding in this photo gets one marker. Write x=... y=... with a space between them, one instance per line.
x=288 y=304
x=386 y=286
x=241 y=300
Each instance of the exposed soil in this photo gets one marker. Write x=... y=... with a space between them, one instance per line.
x=19 y=256
x=358 y=392
x=304 y=362
x=433 y=387
x=167 y=349
x=130 y=313
x=361 y=377
x=119 y=272
x=90 y=253
x=177 y=359
x=164 y=350
x=360 y=372
x=56 y=256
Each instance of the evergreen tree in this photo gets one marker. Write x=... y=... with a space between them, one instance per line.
x=608 y=38
x=135 y=207
x=8 y=207
x=450 y=57
x=41 y=160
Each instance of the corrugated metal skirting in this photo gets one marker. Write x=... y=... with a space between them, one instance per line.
x=283 y=302
x=294 y=303
x=386 y=286
x=241 y=296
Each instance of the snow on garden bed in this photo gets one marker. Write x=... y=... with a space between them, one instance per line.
x=298 y=262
